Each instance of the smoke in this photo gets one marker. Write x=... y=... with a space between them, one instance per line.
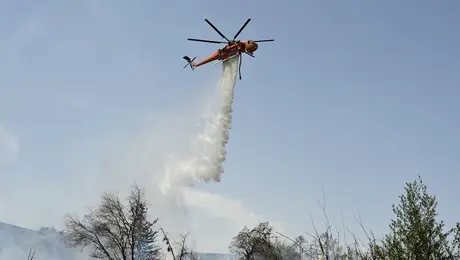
x=204 y=161
x=182 y=148
x=169 y=158
x=9 y=146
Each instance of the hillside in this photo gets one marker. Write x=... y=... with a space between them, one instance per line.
x=15 y=243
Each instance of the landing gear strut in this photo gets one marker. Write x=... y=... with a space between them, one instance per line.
x=239 y=65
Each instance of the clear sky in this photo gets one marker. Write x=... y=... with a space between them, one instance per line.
x=357 y=97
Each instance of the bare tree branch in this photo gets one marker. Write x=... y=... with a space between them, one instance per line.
x=169 y=247
x=31 y=254
x=114 y=233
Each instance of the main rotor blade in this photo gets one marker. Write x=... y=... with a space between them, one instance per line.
x=213 y=27
x=241 y=29
x=249 y=54
x=208 y=41
x=271 y=40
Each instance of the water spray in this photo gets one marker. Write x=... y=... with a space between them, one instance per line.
x=205 y=160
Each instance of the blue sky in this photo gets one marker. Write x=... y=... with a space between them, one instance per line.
x=356 y=97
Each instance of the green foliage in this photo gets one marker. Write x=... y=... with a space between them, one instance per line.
x=415 y=232
x=287 y=251
x=144 y=237
x=456 y=241
x=255 y=244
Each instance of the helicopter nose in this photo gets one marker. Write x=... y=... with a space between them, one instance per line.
x=251 y=47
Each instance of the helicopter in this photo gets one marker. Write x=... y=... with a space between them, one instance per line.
x=231 y=49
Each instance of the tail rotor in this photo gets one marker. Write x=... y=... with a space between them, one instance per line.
x=189 y=62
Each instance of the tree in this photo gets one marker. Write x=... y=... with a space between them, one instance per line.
x=288 y=251
x=31 y=254
x=180 y=250
x=456 y=241
x=293 y=251
x=114 y=231
x=415 y=233
x=255 y=244
x=325 y=246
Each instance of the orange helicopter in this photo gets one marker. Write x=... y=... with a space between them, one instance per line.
x=233 y=48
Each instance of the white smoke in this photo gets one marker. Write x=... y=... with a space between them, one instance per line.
x=204 y=162
x=166 y=158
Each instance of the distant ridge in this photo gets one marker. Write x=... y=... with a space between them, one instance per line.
x=216 y=256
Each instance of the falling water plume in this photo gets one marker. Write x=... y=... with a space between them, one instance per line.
x=204 y=161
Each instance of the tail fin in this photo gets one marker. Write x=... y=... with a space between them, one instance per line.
x=189 y=62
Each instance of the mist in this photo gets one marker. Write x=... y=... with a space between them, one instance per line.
x=168 y=160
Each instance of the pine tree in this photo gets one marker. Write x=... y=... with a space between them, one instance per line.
x=456 y=241
x=143 y=237
x=415 y=234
